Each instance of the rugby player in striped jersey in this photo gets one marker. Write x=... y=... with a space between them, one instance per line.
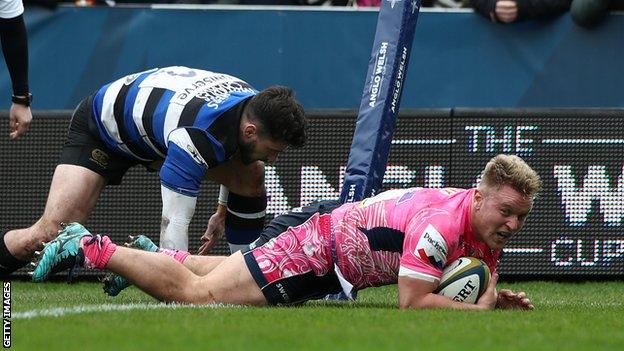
x=188 y=123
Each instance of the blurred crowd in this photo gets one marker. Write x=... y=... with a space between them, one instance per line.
x=586 y=13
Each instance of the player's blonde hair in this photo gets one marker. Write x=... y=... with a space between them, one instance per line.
x=513 y=171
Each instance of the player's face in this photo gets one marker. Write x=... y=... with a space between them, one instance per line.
x=255 y=145
x=499 y=214
x=261 y=149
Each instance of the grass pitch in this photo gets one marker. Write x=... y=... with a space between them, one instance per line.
x=57 y=316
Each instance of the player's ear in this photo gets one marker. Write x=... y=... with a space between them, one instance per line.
x=249 y=130
x=478 y=199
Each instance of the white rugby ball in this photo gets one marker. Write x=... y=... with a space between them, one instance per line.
x=464 y=280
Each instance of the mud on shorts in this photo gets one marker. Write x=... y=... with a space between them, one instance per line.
x=83 y=147
x=297 y=265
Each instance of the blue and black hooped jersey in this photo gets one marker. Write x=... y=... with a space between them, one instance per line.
x=187 y=117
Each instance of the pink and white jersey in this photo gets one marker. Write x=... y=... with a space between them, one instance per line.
x=412 y=232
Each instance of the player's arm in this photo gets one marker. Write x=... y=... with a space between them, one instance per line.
x=177 y=212
x=242 y=205
x=15 y=50
x=419 y=293
x=430 y=238
x=216 y=224
x=180 y=175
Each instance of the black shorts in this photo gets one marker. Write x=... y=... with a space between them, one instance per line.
x=295 y=217
x=84 y=147
x=293 y=290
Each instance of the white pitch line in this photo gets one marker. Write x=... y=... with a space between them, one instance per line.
x=424 y=141
x=64 y=311
x=527 y=250
x=583 y=141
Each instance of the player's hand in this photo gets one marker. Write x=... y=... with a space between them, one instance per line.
x=214 y=232
x=508 y=299
x=506 y=11
x=488 y=299
x=19 y=120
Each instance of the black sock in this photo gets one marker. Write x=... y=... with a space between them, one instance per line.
x=8 y=262
x=245 y=218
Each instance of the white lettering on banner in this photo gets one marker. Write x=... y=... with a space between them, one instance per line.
x=315 y=185
x=491 y=139
x=567 y=252
x=278 y=202
x=434 y=177
x=577 y=202
x=398 y=83
x=378 y=75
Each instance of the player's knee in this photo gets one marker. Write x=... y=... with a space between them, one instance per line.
x=197 y=293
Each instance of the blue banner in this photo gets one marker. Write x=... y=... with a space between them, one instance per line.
x=381 y=99
x=463 y=59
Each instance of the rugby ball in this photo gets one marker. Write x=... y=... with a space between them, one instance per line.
x=464 y=280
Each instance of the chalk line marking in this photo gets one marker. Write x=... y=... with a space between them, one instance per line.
x=64 y=311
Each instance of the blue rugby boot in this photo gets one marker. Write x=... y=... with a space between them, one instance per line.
x=62 y=253
x=114 y=283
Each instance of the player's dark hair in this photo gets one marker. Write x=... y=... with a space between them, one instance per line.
x=281 y=116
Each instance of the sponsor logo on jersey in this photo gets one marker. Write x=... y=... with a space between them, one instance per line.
x=431 y=247
x=193 y=152
x=406 y=197
x=99 y=157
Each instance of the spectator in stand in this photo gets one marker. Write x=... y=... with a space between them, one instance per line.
x=586 y=13
x=589 y=13
x=508 y=11
x=15 y=50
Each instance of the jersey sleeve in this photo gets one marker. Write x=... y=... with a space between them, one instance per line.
x=429 y=238
x=185 y=167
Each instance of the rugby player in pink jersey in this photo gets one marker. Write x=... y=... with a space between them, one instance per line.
x=404 y=236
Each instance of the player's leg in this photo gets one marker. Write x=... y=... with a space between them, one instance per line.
x=202 y=265
x=160 y=275
x=85 y=167
x=295 y=268
x=73 y=194
x=167 y=280
x=113 y=283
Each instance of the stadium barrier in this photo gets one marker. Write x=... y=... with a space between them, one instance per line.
x=575 y=230
x=459 y=58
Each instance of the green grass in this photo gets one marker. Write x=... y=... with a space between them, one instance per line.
x=584 y=316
